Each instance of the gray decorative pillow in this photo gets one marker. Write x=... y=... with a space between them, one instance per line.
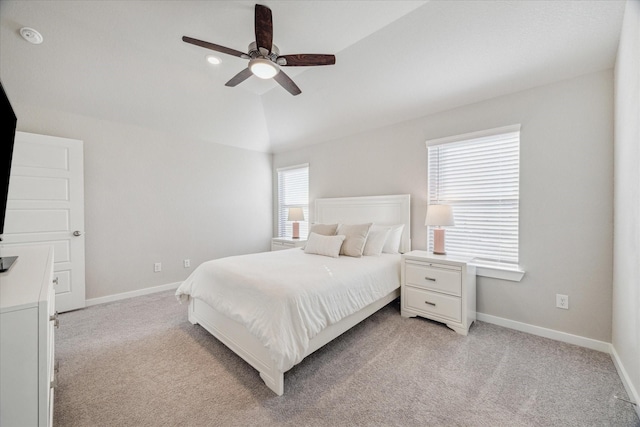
x=355 y=238
x=324 y=229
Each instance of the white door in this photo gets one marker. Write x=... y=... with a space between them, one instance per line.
x=46 y=206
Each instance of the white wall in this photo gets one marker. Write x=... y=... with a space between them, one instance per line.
x=152 y=197
x=626 y=266
x=566 y=216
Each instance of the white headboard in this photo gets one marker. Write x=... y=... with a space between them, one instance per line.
x=381 y=210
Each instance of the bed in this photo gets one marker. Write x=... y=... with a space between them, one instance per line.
x=275 y=308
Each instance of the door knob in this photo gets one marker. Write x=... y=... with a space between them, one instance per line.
x=77 y=233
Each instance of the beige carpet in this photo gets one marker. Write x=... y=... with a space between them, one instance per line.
x=139 y=362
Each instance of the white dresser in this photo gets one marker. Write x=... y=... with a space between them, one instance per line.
x=439 y=287
x=279 y=243
x=27 y=321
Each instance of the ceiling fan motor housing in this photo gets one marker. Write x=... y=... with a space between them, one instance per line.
x=254 y=52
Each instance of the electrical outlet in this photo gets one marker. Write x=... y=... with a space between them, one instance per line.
x=157 y=267
x=562 y=301
x=186 y=263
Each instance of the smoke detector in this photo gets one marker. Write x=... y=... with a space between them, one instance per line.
x=31 y=35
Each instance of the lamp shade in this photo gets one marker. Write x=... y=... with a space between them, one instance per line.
x=440 y=215
x=295 y=214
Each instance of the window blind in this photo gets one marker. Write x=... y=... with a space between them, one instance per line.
x=479 y=178
x=293 y=192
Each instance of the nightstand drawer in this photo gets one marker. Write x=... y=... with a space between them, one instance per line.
x=433 y=303
x=276 y=246
x=280 y=243
x=448 y=280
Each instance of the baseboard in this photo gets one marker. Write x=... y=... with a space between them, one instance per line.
x=628 y=385
x=547 y=333
x=131 y=294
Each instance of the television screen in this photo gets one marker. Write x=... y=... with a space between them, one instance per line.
x=6 y=152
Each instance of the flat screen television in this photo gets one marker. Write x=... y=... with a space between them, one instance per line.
x=7 y=138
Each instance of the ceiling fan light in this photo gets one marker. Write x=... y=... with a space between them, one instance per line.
x=263 y=68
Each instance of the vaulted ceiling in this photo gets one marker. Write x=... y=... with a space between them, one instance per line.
x=125 y=61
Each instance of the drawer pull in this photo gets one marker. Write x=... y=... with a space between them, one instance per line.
x=430 y=303
x=430 y=278
x=55 y=281
x=55 y=320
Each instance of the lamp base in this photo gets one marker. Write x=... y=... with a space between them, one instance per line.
x=438 y=241
x=296 y=230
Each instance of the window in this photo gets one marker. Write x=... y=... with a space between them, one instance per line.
x=478 y=175
x=293 y=192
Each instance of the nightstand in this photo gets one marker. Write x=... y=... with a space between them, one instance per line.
x=279 y=243
x=440 y=288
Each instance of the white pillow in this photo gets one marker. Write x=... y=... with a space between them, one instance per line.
x=392 y=245
x=324 y=245
x=355 y=237
x=375 y=240
x=323 y=229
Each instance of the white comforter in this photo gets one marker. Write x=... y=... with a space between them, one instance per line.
x=287 y=297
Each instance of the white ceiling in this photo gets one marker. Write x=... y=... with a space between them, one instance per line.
x=395 y=60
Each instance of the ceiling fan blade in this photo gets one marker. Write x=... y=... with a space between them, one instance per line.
x=306 y=59
x=239 y=78
x=286 y=82
x=215 y=47
x=264 y=27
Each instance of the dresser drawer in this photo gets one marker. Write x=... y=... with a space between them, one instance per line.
x=441 y=279
x=433 y=303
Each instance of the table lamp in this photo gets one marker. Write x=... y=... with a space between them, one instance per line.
x=439 y=216
x=295 y=215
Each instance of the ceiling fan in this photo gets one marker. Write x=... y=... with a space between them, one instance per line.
x=264 y=56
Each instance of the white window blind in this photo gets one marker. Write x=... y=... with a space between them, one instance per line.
x=293 y=192
x=479 y=178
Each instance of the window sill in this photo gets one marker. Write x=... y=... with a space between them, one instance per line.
x=498 y=271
